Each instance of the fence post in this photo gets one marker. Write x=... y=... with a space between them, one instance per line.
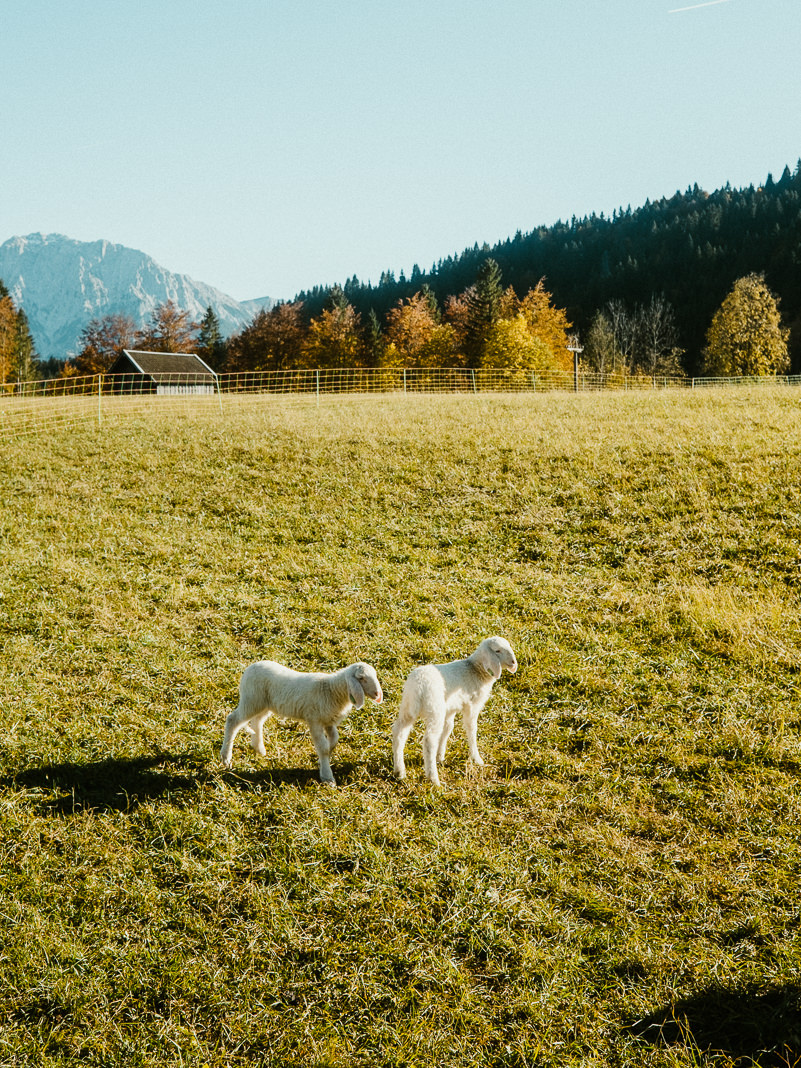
x=99 y=400
x=317 y=375
x=404 y=380
x=473 y=373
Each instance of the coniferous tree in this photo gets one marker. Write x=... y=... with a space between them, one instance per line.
x=210 y=342
x=483 y=300
x=374 y=340
x=25 y=367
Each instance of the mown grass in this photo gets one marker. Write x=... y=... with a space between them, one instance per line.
x=619 y=886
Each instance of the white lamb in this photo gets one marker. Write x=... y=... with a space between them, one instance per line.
x=318 y=699
x=436 y=692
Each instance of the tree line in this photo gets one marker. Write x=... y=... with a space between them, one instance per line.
x=643 y=289
x=688 y=249
x=485 y=326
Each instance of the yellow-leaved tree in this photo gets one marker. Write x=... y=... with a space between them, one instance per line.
x=746 y=336
x=334 y=338
x=510 y=344
x=8 y=336
x=549 y=324
x=415 y=335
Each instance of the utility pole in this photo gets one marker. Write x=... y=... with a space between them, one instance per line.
x=575 y=347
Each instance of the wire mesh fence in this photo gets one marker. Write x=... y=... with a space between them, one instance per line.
x=40 y=406
x=433 y=380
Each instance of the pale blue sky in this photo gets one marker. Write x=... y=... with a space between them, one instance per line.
x=264 y=146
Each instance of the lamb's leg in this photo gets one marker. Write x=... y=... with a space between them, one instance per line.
x=401 y=729
x=431 y=740
x=256 y=730
x=444 y=736
x=234 y=722
x=323 y=747
x=470 y=720
x=332 y=734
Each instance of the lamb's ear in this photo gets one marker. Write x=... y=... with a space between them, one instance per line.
x=355 y=691
x=489 y=661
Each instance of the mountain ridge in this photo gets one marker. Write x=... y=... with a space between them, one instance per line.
x=62 y=284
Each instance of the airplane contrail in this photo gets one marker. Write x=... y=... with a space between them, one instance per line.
x=692 y=7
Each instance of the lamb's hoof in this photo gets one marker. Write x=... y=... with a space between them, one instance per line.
x=331 y=783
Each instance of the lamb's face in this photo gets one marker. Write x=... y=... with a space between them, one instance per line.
x=503 y=650
x=368 y=681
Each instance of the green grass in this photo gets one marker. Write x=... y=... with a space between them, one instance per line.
x=618 y=886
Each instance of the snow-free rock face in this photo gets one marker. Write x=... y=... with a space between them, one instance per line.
x=62 y=284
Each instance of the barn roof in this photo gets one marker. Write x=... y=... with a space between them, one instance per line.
x=161 y=364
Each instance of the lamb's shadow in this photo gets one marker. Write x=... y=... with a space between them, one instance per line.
x=752 y=1025
x=121 y=785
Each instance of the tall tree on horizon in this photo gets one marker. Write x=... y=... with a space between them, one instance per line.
x=210 y=342
x=745 y=336
x=658 y=349
x=8 y=334
x=102 y=341
x=169 y=329
x=600 y=352
x=335 y=337
x=25 y=368
x=484 y=308
x=416 y=337
x=544 y=321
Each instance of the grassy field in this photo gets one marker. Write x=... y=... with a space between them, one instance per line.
x=618 y=886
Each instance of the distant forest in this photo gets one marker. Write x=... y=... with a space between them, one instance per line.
x=689 y=248
x=641 y=289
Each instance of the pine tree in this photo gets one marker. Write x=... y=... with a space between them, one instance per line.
x=374 y=340
x=484 y=301
x=746 y=336
x=25 y=358
x=210 y=342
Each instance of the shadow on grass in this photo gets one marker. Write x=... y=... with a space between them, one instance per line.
x=753 y=1026
x=121 y=785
